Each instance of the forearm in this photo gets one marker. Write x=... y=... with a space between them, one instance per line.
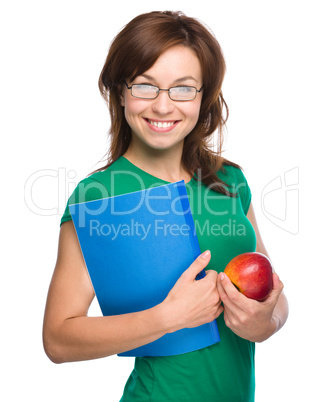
x=69 y=335
x=278 y=320
x=280 y=312
x=85 y=338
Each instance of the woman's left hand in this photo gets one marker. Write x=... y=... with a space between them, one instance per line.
x=247 y=318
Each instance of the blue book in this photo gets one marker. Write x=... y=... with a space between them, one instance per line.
x=135 y=247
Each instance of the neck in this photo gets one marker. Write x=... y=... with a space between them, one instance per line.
x=167 y=165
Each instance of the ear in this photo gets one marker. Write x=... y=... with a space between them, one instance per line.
x=121 y=95
x=122 y=100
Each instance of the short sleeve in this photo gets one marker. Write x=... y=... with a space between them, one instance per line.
x=238 y=184
x=243 y=190
x=88 y=189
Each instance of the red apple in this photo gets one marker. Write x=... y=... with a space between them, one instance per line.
x=251 y=274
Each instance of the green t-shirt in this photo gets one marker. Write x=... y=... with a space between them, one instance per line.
x=223 y=372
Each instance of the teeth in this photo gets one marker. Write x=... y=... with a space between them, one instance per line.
x=159 y=124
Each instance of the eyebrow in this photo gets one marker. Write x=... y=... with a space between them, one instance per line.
x=179 y=80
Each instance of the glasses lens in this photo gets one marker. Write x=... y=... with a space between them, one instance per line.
x=182 y=93
x=144 y=91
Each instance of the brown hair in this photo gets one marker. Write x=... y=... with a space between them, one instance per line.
x=134 y=50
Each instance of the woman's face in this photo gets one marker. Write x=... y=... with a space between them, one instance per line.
x=162 y=123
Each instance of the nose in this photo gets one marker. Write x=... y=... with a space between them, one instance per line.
x=163 y=104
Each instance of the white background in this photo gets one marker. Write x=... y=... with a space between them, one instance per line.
x=54 y=131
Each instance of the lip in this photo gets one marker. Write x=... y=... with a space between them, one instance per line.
x=161 y=129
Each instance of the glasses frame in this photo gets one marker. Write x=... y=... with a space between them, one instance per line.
x=166 y=90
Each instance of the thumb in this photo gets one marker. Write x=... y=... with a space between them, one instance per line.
x=277 y=283
x=278 y=286
x=197 y=266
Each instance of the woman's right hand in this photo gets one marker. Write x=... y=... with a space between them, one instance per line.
x=193 y=302
x=70 y=335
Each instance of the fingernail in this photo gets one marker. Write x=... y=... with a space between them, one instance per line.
x=221 y=275
x=206 y=254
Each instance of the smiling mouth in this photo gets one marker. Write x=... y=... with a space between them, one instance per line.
x=161 y=124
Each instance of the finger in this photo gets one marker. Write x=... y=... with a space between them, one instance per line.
x=277 y=283
x=230 y=295
x=219 y=311
x=210 y=273
x=197 y=266
x=278 y=287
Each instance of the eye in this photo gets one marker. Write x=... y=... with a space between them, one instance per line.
x=184 y=89
x=182 y=93
x=144 y=91
x=145 y=87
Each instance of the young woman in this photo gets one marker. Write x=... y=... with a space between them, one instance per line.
x=162 y=81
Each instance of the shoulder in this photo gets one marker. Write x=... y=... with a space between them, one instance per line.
x=234 y=177
x=88 y=189
x=91 y=188
x=232 y=173
x=97 y=185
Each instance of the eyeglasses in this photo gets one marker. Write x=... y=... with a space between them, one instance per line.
x=181 y=94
